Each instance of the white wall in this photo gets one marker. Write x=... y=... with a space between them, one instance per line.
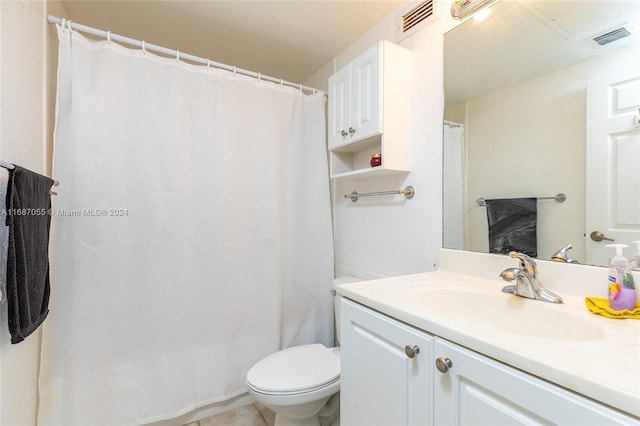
x=26 y=111
x=391 y=236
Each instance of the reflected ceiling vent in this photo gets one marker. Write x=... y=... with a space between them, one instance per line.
x=415 y=17
x=610 y=36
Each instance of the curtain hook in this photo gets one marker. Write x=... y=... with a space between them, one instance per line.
x=208 y=63
x=144 y=47
x=314 y=90
x=109 y=36
x=301 y=87
x=259 y=77
x=66 y=24
x=234 y=70
x=178 y=55
x=281 y=82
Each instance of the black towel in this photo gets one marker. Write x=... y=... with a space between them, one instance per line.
x=28 y=204
x=512 y=225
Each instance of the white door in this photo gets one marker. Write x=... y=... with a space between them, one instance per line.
x=366 y=87
x=339 y=113
x=613 y=161
x=380 y=384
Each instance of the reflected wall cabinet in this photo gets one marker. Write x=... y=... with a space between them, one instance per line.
x=370 y=113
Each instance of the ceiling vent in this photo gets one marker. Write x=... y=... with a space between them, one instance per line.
x=415 y=17
x=610 y=36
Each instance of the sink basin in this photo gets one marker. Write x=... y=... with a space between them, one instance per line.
x=510 y=314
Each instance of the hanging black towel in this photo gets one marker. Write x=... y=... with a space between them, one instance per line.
x=28 y=204
x=512 y=225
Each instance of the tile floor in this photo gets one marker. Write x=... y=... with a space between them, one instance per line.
x=248 y=415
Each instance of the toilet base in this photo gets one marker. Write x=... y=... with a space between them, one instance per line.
x=329 y=415
x=315 y=421
x=282 y=420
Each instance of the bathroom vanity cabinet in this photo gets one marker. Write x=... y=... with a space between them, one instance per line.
x=370 y=113
x=379 y=383
x=444 y=383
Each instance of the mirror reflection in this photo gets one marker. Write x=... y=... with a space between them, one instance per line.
x=528 y=92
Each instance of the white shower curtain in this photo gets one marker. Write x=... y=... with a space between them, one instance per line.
x=192 y=234
x=453 y=183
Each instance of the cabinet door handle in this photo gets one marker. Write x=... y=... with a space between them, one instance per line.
x=344 y=133
x=443 y=364
x=411 y=351
x=351 y=130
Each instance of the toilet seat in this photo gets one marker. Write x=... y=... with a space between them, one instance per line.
x=297 y=370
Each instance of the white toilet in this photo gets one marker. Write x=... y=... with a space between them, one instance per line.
x=301 y=384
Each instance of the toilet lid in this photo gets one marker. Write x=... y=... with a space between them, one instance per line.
x=295 y=369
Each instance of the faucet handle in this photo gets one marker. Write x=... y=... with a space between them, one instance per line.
x=562 y=255
x=526 y=263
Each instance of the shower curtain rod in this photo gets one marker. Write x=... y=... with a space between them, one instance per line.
x=66 y=23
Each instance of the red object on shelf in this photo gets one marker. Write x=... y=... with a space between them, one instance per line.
x=376 y=160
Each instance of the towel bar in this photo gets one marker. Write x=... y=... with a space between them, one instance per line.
x=55 y=183
x=11 y=167
x=7 y=165
x=408 y=193
x=560 y=198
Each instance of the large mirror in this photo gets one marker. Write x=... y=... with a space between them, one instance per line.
x=520 y=90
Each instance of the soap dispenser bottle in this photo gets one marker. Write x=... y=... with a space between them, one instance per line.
x=634 y=264
x=622 y=292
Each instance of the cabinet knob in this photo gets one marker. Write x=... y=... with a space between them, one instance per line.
x=443 y=364
x=351 y=130
x=344 y=133
x=411 y=351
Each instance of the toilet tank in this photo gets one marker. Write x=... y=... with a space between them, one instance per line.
x=345 y=279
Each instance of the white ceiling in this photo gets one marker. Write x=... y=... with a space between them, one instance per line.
x=283 y=39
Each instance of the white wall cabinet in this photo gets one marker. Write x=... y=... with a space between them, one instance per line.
x=370 y=112
x=381 y=385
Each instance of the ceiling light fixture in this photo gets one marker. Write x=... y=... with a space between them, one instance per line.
x=482 y=15
x=461 y=9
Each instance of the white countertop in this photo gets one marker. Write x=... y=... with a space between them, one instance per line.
x=562 y=343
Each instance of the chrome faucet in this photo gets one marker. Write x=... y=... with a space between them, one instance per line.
x=562 y=256
x=526 y=280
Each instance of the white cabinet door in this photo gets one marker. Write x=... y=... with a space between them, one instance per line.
x=339 y=107
x=477 y=390
x=380 y=384
x=366 y=88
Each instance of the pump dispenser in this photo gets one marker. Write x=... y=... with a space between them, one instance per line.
x=622 y=292
x=634 y=264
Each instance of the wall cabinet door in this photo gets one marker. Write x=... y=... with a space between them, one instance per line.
x=339 y=107
x=380 y=383
x=477 y=390
x=354 y=99
x=366 y=91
